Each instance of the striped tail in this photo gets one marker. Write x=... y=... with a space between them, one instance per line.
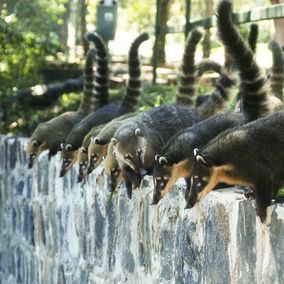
x=102 y=70
x=218 y=100
x=207 y=65
x=86 y=104
x=253 y=87
x=133 y=89
x=276 y=76
x=187 y=90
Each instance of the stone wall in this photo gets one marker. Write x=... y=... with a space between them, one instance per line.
x=53 y=230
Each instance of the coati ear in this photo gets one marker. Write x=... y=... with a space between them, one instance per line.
x=99 y=141
x=83 y=150
x=114 y=141
x=35 y=143
x=69 y=147
x=157 y=157
x=62 y=146
x=163 y=161
x=138 y=132
x=195 y=152
x=202 y=160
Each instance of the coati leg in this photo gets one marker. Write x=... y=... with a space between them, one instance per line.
x=132 y=180
x=51 y=153
x=187 y=190
x=263 y=198
x=128 y=186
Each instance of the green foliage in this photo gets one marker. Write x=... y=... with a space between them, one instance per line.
x=28 y=34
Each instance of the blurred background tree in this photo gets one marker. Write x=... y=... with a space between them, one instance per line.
x=40 y=38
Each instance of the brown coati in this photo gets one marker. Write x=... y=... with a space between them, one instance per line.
x=261 y=169
x=112 y=169
x=276 y=74
x=82 y=155
x=108 y=111
x=138 y=141
x=187 y=87
x=50 y=134
x=98 y=145
x=176 y=158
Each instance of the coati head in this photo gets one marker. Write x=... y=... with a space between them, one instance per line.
x=201 y=179
x=136 y=145
x=96 y=153
x=68 y=157
x=165 y=174
x=205 y=175
x=34 y=148
x=40 y=141
x=82 y=159
x=112 y=169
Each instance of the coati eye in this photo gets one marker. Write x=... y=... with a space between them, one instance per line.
x=35 y=143
x=128 y=157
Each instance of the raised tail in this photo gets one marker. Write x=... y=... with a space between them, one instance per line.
x=133 y=89
x=87 y=103
x=219 y=99
x=187 y=90
x=276 y=75
x=253 y=86
x=102 y=70
x=206 y=65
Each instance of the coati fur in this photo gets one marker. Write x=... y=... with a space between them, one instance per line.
x=139 y=140
x=98 y=145
x=82 y=155
x=261 y=169
x=176 y=158
x=111 y=169
x=276 y=74
x=50 y=134
x=187 y=88
x=108 y=111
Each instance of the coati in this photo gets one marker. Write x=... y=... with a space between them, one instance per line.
x=50 y=134
x=259 y=107
x=108 y=111
x=112 y=169
x=176 y=158
x=262 y=167
x=98 y=145
x=82 y=154
x=139 y=140
x=186 y=90
x=276 y=75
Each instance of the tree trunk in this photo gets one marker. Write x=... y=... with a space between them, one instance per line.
x=206 y=41
x=72 y=28
x=161 y=40
x=84 y=4
x=279 y=27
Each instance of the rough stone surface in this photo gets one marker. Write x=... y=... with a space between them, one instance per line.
x=53 y=230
